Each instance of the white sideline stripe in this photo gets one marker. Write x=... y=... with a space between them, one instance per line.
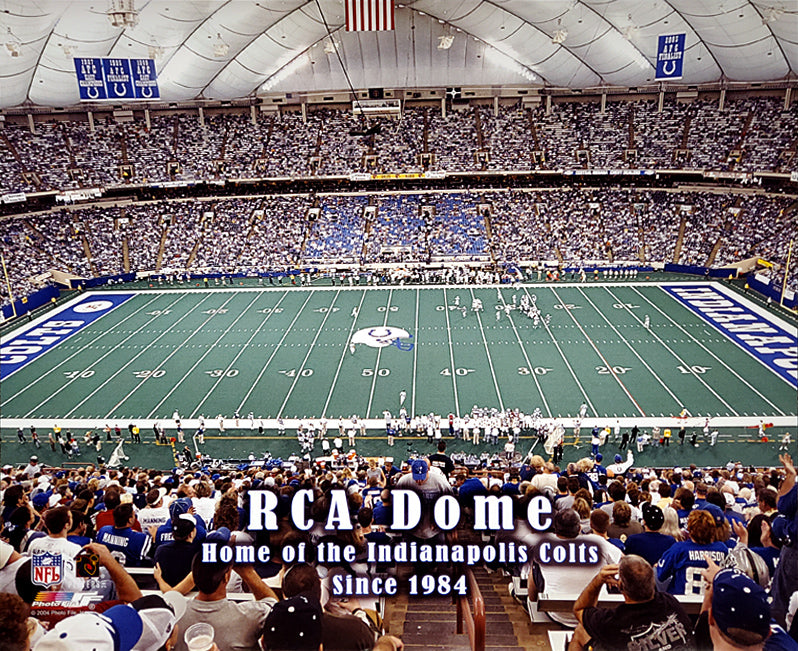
x=163 y=361
x=487 y=352
x=451 y=356
x=379 y=353
x=274 y=352
x=567 y=363
x=415 y=357
x=354 y=288
x=598 y=352
x=678 y=402
x=529 y=362
x=679 y=358
x=713 y=355
x=379 y=424
x=301 y=367
x=78 y=352
x=343 y=356
x=238 y=354
x=97 y=361
x=203 y=356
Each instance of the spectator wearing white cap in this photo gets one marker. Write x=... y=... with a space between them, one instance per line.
x=147 y=624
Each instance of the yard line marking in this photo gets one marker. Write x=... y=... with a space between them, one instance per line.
x=677 y=357
x=415 y=358
x=163 y=361
x=204 y=355
x=487 y=351
x=84 y=347
x=343 y=356
x=606 y=363
x=55 y=393
x=240 y=352
x=451 y=354
x=564 y=359
x=630 y=347
x=713 y=355
x=310 y=350
x=379 y=352
x=274 y=352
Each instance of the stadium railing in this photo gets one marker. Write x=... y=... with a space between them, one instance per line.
x=470 y=622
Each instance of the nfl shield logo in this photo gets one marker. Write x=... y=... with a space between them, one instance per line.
x=47 y=569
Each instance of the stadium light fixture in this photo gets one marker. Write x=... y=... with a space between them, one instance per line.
x=330 y=46
x=220 y=48
x=560 y=34
x=13 y=45
x=155 y=51
x=771 y=14
x=507 y=62
x=445 y=42
x=122 y=13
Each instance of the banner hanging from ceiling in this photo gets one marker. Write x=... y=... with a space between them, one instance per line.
x=116 y=79
x=670 y=56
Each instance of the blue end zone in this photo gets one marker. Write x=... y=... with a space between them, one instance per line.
x=770 y=343
x=23 y=347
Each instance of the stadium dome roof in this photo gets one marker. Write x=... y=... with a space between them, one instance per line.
x=226 y=49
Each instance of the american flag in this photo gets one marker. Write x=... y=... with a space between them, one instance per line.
x=369 y=15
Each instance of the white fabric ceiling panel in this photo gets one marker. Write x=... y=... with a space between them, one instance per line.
x=281 y=42
x=737 y=38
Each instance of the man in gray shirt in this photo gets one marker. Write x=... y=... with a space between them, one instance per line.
x=237 y=625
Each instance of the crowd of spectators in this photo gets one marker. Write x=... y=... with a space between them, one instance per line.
x=573 y=134
x=678 y=532
x=575 y=226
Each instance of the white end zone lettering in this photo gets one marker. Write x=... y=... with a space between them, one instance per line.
x=23 y=346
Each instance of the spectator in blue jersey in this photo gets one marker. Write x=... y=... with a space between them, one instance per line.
x=125 y=543
x=683 y=501
x=651 y=544
x=701 y=490
x=177 y=508
x=383 y=510
x=679 y=569
x=174 y=558
x=785 y=530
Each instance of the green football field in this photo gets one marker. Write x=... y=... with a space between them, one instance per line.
x=331 y=352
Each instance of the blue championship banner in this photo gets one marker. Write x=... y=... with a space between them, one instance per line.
x=115 y=79
x=670 y=57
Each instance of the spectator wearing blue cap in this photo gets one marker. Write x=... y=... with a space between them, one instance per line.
x=177 y=508
x=736 y=614
x=430 y=483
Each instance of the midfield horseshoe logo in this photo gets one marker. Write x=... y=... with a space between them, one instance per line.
x=382 y=336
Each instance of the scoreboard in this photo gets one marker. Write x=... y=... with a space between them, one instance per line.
x=116 y=79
